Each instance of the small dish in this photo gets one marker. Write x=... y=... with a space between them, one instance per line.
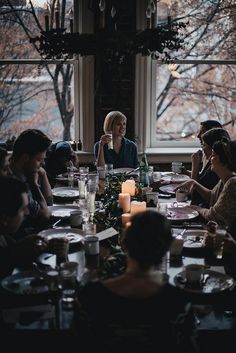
x=65 y=193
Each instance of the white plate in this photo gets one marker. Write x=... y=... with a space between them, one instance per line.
x=62 y=211
x=170 y=188
x=194 y=238
x=181 y=213
x=72 y=234
x=27 y=282
x=122 y=170
x=65 y=192
x=175 y=178
x=216 y=282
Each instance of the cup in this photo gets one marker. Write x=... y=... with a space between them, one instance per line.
x=181 y=195
x=89 y=228
x=152 y=198
x=70 y=176
x=109 y=169
x=156 y=176
x=176 y=167
x=101 y=172
x=92 y=250
x=193 y=273
x=68 y=276
x=82 y=186
x=76 y=218
x=218 y=246
x=110 y=143
x=60 y=247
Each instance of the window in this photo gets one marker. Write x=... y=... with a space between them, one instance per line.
x=34 y=93
x=199 y=83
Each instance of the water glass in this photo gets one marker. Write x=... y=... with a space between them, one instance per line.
x=101 y=172
x=68 y=277
x=70 y=176
x=89 y=229
x=92 y=251
x=109 y=169
x=156 y=176
x=83 y=171
x=82 y=186
x=91 y=201
x=176 y=167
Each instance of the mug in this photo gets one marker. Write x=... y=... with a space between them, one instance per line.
x=193 y=273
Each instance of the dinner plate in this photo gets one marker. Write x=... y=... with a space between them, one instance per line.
x=181 y=213
x=194 y=239
x=72 y=234
x=170 y=188
x=175 y=178
x=62 y=211
x=215 y=282
x=27 y=282
x=122 y=170
x=65 y=192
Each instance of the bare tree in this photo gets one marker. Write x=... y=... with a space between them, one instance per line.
x=27 y=22
x=202 y=91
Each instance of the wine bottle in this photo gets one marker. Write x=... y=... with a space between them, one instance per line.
x=143 y=177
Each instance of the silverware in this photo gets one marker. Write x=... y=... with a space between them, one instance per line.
x=132 y=171
x=56 y=223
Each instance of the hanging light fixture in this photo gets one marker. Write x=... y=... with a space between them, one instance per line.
x=157 y=40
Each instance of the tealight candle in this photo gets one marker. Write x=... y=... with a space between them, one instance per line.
x=128 y=186
x=137 y=206
x=124 y=201
x=125 y=218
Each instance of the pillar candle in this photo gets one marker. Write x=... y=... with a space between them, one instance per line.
x=125 y=218
x=128 y=186
x=137 y=206
x=124 y=201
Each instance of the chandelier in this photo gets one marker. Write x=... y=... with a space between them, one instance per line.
x=157 y=40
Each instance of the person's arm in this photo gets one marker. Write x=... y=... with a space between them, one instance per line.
x=42 y=212
x=196 y=164
x=99 y=155
x=224 y=210
x=192 y=184
x=45 y=186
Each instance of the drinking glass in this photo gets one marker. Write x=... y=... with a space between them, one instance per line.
x=68 y=276
x=109 y=169
x=82 y=186
x=70 y=176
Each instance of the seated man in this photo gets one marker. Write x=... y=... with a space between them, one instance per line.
x=28 y=156
x=13 y=210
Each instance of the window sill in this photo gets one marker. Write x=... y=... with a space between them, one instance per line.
x=170 y=154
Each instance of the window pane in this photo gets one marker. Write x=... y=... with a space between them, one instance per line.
x=201 y=92
x=21 y=23
x=30 y=98
x=210 y=29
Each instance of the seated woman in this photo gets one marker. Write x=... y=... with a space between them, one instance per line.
x=137 y=308
x=206 y=177
x=222 y=198
x=4 y=162
x=60 y=155
x=123 y=152
x=13 y=209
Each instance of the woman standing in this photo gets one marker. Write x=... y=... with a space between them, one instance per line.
x=113 y=147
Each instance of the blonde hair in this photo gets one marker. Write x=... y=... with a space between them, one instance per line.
x=111 y=118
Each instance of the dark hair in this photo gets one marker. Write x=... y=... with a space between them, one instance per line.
x=31 y=142
x=210 y=124
x=226 y=150
x=11 y=190
x=148 y=238
x=3 y=155
x=214 y=135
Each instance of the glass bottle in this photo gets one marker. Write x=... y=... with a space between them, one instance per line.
x=143 y=170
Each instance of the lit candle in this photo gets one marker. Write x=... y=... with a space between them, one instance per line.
x=124 y=201
x=125 y=218
x=128 y=186
x=137 y=206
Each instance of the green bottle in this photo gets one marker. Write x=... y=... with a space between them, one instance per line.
x=143 y=170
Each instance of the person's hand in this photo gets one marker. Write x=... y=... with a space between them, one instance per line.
x=187 y=185
x=32 y=245
x=229 y=244
x=105 y=139
x=211 y=226
x=197 y=159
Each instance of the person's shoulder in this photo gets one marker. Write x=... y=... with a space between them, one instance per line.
x=129 y=142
